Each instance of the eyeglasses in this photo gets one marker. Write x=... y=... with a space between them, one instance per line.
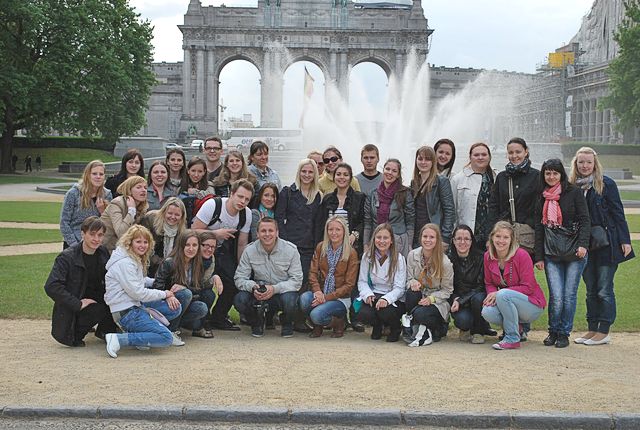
x=330 y=160
x=462 y=239
x=212 y=148
x=205 y=246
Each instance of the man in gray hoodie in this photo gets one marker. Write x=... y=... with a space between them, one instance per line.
x=269 y=273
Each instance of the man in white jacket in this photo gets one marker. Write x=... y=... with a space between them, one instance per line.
x=269 y=274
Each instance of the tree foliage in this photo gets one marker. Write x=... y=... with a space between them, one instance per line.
x=624 y=70
x=80 y=66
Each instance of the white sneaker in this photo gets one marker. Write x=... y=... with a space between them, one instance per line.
x=177 y=341
x=423 y=337
x=113 y=345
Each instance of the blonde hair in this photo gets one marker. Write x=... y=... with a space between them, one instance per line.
x=125 y=190
x=224 y=178
x=393 y=253
x=85 y=184
x=134 y=232
x=436 y=262
x=326 y=242
x=159 y=221
x=598 y=181
x=416 y=183
x=315 y=186
x=513 y=245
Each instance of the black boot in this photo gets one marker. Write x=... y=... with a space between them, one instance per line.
x=376 y=333
x=563 y=341
x=551 y=339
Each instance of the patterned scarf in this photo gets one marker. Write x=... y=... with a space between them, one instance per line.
x=333 y=257
x=169 y=237
x=385 y=196
x=585 y=183
x=551 y=213
x=425 y=278
x=518 y=169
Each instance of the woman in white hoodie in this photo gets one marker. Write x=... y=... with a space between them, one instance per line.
x=143 y=326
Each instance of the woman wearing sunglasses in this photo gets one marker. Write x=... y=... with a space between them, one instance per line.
x=331 y=158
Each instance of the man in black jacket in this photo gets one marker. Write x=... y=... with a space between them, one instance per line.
x=76 y=285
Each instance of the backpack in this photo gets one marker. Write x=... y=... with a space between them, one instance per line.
x=218 y=210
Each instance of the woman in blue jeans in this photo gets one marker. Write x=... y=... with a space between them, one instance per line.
x=332 y=276
x=211 y=282
x=130 y=302
x=607 y=214
x=561 y=204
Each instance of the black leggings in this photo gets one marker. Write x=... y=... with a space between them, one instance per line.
x=389 y=315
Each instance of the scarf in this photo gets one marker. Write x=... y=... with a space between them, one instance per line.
x=265 y=212
x=333 y=257
x=585 y=183
x=169 y=237
x=385 y=196
x=518 y=169
x=425 y=279
x=551 y=213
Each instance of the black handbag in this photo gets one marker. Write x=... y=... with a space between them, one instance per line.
x=561 y=243
x=599 y=238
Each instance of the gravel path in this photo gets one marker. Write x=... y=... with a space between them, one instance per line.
x=34 y=248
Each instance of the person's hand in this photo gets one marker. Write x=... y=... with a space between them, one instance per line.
x=455 y=306
x=177 y=287
x=352 y=239
x=266 y=295
x=381 y=304
x=217 y=284
x=414 y=285
x=173 y=303
x=425 y=301
x=540 y=265
x=490 y=300
x=581 y=252
x=369 y=300
x=318 y=299
x=131 y=203
x=626 y=249
x=224 y=233
x=192 y=191
x=101 y=204
x=86 y=302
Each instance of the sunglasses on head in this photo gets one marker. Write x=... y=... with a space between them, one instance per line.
x=330 y=160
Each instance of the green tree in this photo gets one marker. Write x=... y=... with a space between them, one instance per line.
x=80 y=66
x=624 y=70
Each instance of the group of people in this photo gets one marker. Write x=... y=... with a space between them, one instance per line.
x=145 y=258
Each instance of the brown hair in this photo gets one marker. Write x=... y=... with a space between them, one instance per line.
x=180 y=263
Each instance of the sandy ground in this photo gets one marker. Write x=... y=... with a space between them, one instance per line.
x=352 y=372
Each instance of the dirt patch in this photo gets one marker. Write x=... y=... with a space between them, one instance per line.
x=34 y=248
x=352 y=372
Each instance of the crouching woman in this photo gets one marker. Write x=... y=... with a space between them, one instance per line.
x=333 y=274
x=128 y=298
x=513 y=294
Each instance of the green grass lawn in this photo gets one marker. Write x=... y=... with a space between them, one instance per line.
x=31 y=179
x=634 y=223
x=630 y=195
x=24 y=236
x=48 y=212
x=51 y=157
x=23 y=277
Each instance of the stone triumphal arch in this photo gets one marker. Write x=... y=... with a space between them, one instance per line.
x=333 y=34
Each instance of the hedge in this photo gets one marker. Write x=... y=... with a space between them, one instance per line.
x=63 y=142
x=569 y=149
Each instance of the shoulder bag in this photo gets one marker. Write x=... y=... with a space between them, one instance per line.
x=561 y=243
x=525 y=235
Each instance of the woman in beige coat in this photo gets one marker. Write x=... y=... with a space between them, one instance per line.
x=125 y=210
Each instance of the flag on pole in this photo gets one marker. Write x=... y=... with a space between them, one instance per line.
x=307 y=93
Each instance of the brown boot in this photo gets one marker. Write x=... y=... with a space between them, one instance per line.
x=317 y=331
x=338 y=325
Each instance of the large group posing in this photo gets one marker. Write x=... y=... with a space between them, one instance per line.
x=147 y=258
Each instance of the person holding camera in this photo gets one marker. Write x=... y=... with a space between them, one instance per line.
x=268 y=278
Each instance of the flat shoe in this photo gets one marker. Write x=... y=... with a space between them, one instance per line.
x=605 y=340
x=205 y=334
x=580 y=340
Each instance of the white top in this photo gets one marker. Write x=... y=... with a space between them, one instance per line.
x=225 y=221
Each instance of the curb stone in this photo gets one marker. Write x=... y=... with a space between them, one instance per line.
x=50 y=412
x=626 y=421
x=542 y=420
x=152 y=413
x=459 y=420
x=241 y=415
x=362 y=417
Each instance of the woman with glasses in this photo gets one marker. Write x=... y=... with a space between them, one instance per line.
x=331 y=158
x=211 y=282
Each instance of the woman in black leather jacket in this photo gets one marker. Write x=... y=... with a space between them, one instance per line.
x=468 y=287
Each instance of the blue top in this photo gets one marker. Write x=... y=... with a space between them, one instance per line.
x=269 y=175
x=73 y=215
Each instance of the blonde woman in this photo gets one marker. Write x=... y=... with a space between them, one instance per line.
x=165 y=225
x=513 y=294
x=607 y=222
x=333 y=274
x=125 y=210
x=88 y=197
x=429 y=285
x=132 y=305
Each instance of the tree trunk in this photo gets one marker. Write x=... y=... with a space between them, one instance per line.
x=6 y=150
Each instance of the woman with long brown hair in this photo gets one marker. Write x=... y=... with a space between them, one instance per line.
x=132 y=164
x=233 y=168
x=125 y=210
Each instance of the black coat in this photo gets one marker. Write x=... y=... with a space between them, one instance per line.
x=353 y=204
x=66 y=285
x=296 y=219
x=574 y=211
x=468 y=275
x=526 y=191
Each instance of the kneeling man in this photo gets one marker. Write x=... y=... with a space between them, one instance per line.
x=268 y=277
x=76 y=285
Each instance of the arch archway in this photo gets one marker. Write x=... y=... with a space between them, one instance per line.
x=239 y=94
x=295 y=104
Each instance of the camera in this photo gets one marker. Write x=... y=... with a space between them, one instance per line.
x=261 y=288
x=261 y=306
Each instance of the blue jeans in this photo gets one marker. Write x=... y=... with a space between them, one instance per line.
x=321 y=314
x=469 y=316
x=143 y=330
x=601 y=300
x=563 y=280
x=285 y=302
x=511 y=308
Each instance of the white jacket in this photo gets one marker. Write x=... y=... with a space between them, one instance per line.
x=124 y=283
x=465 y=187
x=392 y=290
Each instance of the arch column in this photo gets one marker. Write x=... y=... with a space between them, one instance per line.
x=186 y=83
x=271 y=89
x=211 y=115
x=200 y=88
x=342 y=75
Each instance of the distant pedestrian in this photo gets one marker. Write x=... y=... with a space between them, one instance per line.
x=14 y=162
x=38 y=163
x=27 y=164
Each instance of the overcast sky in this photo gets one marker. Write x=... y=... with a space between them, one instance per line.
x=513 y=35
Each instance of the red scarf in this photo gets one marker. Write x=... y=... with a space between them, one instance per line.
x=385 y=196
x=551 y=213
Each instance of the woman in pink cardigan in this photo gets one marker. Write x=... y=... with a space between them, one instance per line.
x=513 y=295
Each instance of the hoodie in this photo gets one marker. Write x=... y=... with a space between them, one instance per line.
x=124 y=283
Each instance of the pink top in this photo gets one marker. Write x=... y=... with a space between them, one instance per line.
x=518 y=274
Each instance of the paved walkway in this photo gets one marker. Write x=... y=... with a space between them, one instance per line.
x=34 y=248
x=30 y=225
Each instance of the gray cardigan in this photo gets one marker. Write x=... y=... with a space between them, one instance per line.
x=72 y=215
x=402 y=219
